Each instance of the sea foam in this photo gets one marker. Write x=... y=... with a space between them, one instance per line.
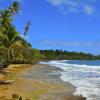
x=85 y=77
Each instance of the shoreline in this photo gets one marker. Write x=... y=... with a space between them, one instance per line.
x=37 y=82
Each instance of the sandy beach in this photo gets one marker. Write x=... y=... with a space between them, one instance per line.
x=34 y=82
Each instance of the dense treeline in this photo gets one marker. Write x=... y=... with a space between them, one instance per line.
x=65 y=55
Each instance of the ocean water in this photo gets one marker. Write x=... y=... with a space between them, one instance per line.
x=83 y=74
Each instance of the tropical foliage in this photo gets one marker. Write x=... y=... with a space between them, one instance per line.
x=13 y=48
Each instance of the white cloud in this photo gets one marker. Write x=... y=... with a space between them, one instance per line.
x=73 y=10
x=70 y=43
x=89 y=10
x=56 y=2
x=57 y=43
x=61 y=2
x=73 y=6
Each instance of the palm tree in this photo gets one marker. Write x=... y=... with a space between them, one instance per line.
x=7 y=14
x=9 y=37
x=14 y=8
x=8 y=33
x=27 y=28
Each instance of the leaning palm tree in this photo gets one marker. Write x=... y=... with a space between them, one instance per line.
x=9 y=37
x=27 y=27
x=8 y=33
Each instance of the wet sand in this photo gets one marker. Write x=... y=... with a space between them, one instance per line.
x=36 y=82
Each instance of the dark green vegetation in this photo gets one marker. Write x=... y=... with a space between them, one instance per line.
x=15 y=49
x=66 y=55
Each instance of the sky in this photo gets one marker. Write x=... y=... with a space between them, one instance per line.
x=72 y=25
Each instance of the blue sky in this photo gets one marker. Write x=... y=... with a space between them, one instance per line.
x=72 y=25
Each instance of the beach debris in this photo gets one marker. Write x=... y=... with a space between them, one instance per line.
x=15 y=96
x=6 y=81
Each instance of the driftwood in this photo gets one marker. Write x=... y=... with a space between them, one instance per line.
x=6 y=81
